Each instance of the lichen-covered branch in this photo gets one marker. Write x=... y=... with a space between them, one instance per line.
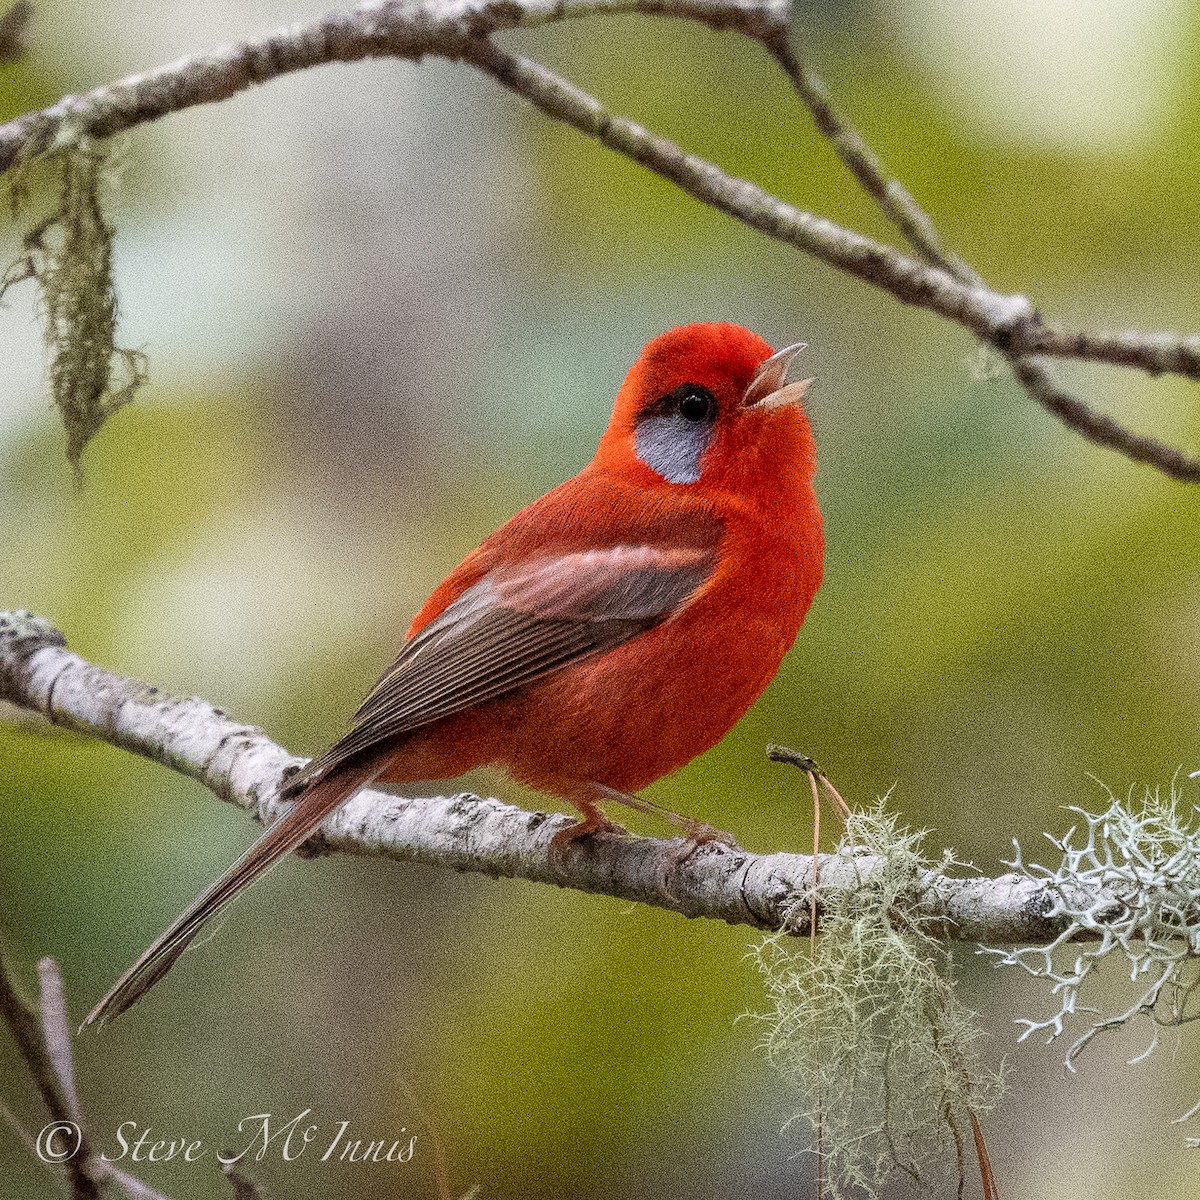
x=1131 y=878
x=870 y=1038
x=937 y=280
x=241 y=765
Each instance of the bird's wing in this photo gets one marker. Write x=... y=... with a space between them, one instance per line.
x=515 y=625
x=512 y=626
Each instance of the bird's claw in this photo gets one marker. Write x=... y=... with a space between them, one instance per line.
x=564 y=838
x=701 y=834
x=698 y=835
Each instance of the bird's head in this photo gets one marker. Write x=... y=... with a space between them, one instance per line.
x=709 y=406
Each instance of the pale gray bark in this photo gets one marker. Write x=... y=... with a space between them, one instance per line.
x=241 y=765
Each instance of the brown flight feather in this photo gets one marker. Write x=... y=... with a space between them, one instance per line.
x=511 y=628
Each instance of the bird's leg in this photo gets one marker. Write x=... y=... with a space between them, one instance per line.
x=697 y=833
x=594 y=821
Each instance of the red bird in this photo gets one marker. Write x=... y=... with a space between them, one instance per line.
x=606 y=635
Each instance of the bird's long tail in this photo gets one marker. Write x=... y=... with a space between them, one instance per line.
x=310 y=808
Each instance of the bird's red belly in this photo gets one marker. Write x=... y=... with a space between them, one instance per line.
x=630 y=715
x=641 y=711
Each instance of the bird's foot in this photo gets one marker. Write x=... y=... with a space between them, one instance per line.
x=697 y=834
x=594 y=821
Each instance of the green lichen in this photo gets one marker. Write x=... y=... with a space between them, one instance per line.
x=69 y=254
x=868 y=1033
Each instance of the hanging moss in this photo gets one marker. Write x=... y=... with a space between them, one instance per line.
x=867 y=1031
x=69 y=253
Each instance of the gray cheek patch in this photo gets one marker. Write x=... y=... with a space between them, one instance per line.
x=673 y=446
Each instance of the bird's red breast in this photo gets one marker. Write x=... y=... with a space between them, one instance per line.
x=719 y=506
x=609 y=632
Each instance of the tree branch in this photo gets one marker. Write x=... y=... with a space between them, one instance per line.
x=14 y=28
x=407 y=29
x=242 y=766
x=895 y=201
x=43 y=1040
x=1155 y=353
x=461 y=29
x=986 y=313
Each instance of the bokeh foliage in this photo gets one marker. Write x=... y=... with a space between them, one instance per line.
x=1005 y=608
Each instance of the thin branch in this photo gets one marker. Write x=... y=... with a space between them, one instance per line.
x=986 y=313
x=896 y=202
x=1099 y=427
x=1156 y=353
x=26 y=1026
x=1163 y=352
x=56 y=1035
x=244 y=1188
x=407 y=29
x=133 y=1187
x=13 y=1122
x=43 y=1040
x=27 y=1030
x=458 y=31
x=461 y=29
x=242 y=766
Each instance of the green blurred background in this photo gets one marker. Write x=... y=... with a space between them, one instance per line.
x=388 y=304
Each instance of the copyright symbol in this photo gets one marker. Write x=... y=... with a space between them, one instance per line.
x=59 y=1141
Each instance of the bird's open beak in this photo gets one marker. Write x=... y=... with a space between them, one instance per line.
x=769 y=388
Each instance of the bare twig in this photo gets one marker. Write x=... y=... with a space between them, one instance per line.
x=947 y=286
x=43 y=1040
x=133 y=1187
x=56 y=1035
x=984 y=312
x=241 y=765
x=1155 y=353
x=896 y=202
x=392 y=28
x=1098 y=427
x=28 y=1031
x=13 y=1122
x=244 y=1188
x=1026 y=337
x=461 y=29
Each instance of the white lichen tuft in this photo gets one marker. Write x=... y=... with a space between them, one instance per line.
x=1129 y=883
x=868 y=1031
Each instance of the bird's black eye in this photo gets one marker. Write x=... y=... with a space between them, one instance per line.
x=696 y=403
x=672 y=434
